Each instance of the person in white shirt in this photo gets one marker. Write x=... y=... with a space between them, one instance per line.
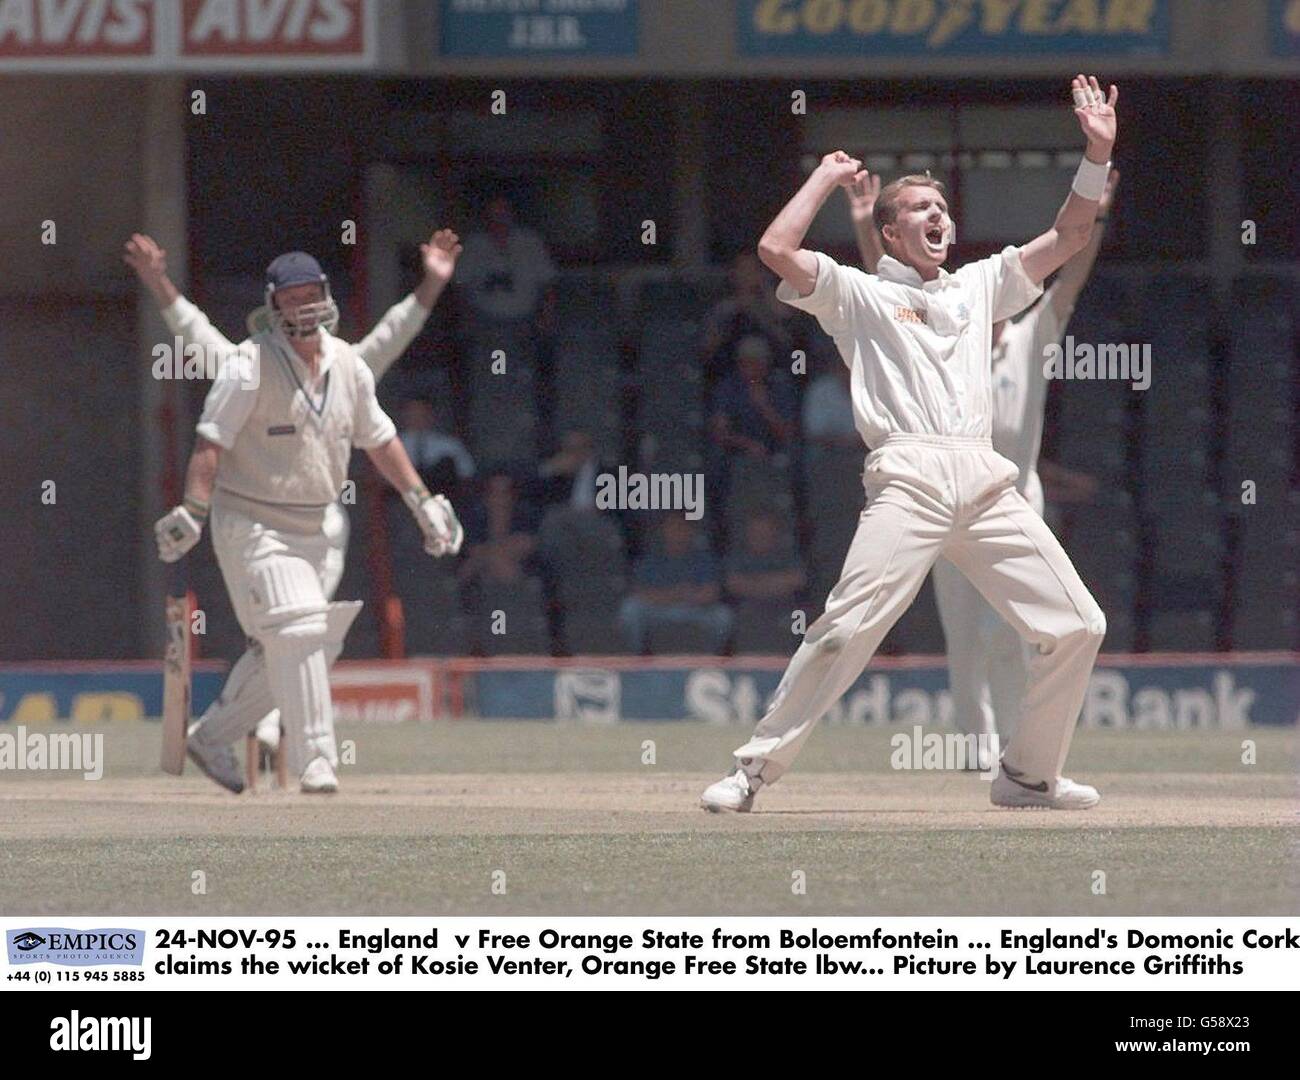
x=506 y=270
x=274 y=441
x=246 y=691
x=988 y=664
x=918 y=341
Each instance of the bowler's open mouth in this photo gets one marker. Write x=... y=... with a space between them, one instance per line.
x=934 y=234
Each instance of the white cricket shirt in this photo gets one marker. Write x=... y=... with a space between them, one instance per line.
x=918 y=352
x=286 y=441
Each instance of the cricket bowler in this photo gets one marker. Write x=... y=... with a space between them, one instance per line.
x=917 y=340
x=246 y=688
x=987 y=661
x=269 y=464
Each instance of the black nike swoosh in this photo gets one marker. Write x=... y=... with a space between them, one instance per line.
x=1041 y=786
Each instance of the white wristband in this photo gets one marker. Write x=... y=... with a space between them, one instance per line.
x=1090 y=180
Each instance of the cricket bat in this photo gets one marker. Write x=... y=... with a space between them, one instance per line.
x=176 y=672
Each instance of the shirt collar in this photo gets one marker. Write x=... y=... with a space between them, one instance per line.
x=326 y=353
x=891 y=269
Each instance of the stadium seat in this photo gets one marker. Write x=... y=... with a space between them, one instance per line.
x=1182 y=549
x=1174 y=315
x=835 y=498
x=1266 y=581
x=670 y=405
x=1181 y=631
x=592 y=633
x=435 y=623
x=1267 y=627
x=583 y=556
x=919 y=631
x=521 y=607
x=765 y=628
x=755 y=485
x=492 y=442
x=686 y=640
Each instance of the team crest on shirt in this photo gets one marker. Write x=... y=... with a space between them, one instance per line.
x=910 y=315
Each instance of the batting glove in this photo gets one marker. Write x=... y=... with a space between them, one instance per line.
x=176 y=532
x=442 y=530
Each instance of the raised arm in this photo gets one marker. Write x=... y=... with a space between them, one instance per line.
x=400 y=323
x=1074 y=274
x=184 y=319
x=781 y=248
x=1073 y=227
x=862 y=204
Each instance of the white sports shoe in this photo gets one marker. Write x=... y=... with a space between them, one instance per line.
x=318 y=778
x=217 y=763
x=735 y=791
x=1061 y=794
x=268 y=731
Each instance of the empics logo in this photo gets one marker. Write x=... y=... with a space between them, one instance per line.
x=75 y=947
x=112 y=1033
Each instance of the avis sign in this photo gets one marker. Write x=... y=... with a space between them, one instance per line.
x=162 y=35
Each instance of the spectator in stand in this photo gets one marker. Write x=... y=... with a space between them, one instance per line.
x=754 y=408
x=828 y=414
x=751 y=308
x=765 y=572
x=500 y=534
x=678 y=586
x=506 y=272
x=441 y=459
x=568 y=477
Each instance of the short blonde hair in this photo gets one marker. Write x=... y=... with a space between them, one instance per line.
x=886 y=210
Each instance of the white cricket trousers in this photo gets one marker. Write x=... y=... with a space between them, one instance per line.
x=932 y=496
x=280 y=584
x=988 y=662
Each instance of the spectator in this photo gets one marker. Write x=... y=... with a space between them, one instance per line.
x=678 y=586
x=500 y=534
x=754 y=409
x=506 y=272
x=569 y=476
x=751 y=308
x=828 y=414
x=441 y=459
x=766 y=572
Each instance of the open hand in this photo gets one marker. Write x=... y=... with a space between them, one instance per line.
x=1096 y=114
x=143 y=255
x=439 y=255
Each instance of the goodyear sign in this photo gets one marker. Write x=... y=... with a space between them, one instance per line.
x=952 y=27
x=1284 y=22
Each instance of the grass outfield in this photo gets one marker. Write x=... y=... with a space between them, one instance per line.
x=431 y=815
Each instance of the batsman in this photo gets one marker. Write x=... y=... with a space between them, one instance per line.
x=268 y=467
